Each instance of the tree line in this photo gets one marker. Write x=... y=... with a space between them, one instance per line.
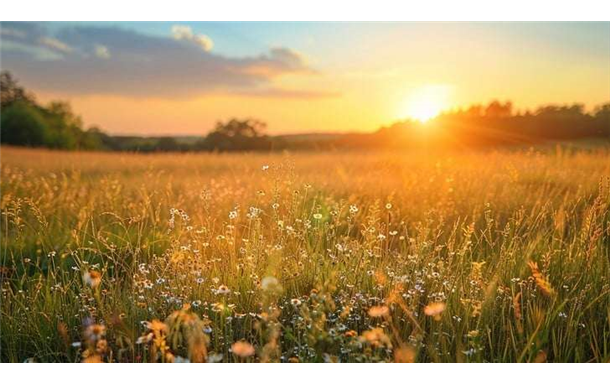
x=25 y=122
x=498 y=124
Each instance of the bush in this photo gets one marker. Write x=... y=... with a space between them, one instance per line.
x=24 y=125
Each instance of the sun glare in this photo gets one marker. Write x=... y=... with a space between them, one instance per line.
x=426 y=102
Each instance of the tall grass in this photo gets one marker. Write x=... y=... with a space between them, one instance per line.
x=463 y=257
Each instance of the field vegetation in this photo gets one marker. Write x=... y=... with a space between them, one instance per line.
x=488 y=256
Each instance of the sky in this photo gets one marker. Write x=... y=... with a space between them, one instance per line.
x=180 y=78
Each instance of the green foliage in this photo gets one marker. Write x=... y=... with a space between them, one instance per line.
x=24 y=124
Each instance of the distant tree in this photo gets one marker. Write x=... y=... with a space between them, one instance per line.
x=95 y=138
x=602 y=119
x=66 y=127
x=237 y=135
x=11 y=92
x=167 y=144
x=249 y=128
x=603 y=112
x=24 y=125
x=496 y=109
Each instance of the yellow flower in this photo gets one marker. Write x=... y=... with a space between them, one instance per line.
x=377 y=338
x=242 y=349
x=379 y=311
x=435 y=309
x=473 y=334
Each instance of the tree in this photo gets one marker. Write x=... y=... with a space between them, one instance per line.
x=249 y=128
x=66 y=127
x=11 y=92
x=167 y=143
x=24 y=125
x=496 y=109
x=237 y=135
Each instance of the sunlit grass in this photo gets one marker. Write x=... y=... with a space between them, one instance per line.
x=497 y=256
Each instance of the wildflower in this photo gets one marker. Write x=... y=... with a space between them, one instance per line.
x=218 y=307
x=232 y=214
x=317 y=216
x=223 y=290
x=434 y=310
x=353 y=209
x=145 y=339
x=242 y=349
x=254 y=212
x=469 y=352
x=379 y=311
x=350 y=333
x=215 y=358
x=295 y=302
x=388 y=206
x=265 y=167
x=377 y=338
x=92 y=278
x=95 y=341
x=473 y=334
x=271 y=284
x=404 y=355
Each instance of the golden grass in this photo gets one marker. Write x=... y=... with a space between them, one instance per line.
x=491 y=256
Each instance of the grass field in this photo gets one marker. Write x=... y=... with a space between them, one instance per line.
x=465 y=257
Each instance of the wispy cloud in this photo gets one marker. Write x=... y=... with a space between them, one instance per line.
x=112 y=60
x=55 y=44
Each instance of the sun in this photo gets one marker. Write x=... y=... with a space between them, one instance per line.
x=424 y=110
x=425 y=103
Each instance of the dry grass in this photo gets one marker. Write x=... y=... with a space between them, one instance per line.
x=499 y=256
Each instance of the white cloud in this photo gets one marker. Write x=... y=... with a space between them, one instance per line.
x=71 y=60
x=185 y=33
x=102 y=51
x=55 y=44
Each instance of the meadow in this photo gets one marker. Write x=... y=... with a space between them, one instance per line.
x=487 y=256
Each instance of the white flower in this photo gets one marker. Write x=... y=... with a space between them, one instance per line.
x=271 y=284
x=223 y=290
x=92 y=278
